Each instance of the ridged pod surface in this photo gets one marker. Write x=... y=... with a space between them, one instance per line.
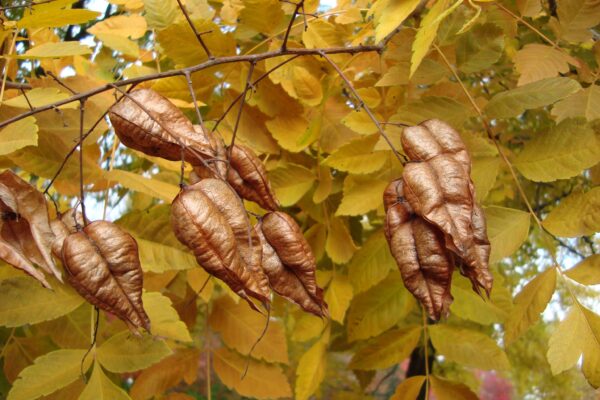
x=103 y=265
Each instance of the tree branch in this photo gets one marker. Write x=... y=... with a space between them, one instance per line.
x=195 y=68
x=299 y=5
x=239 y=116
x=198 y=35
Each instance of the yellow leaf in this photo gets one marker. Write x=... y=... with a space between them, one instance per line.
x=339 y=245
x=307 y=327
x=40 y=97
x=240 y=327
x=157 y=257
x=468 y=347
x=56 y=50
x=577 y=215
x=388 y=349
x=48 y=373
x=291 y=182
x=586 y=272
x=338 y=296
x=17 y=135
x=428 y=30
x=429 y=107
x=389 y=14
x=358 y=156
x=56 y=18
x=128 y=26
x=324 y=186
x=378 y=309
x=126 y=353
x=529 y=304
x=119 y=43
x=507 y=230
x=562 y=153
x=584 y=103
x=164 y=320
x=100 y=387
x=361 y=195
x=262 y=380
x=287 y=129
x=322 y=34
x=197 y=278
x=409 y=389
x=538 y=61
x=480 y=48
x=311 y=368
x=23 y=301
x=304 y=86
x=152 y=187
x=263 y=16
x=371 y=263
x=513 y=102
x=360 y=122
x=370 y=96
x=446 y=390
x=160 y=13
x=576 y=17
x=468 y=305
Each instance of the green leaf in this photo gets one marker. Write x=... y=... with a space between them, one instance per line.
x=577 y=215
x=291 y=182
x=361 y=195
x=126 y=353
x=48 y=373
x=152 y=187
x=429 y=107
x=164 y=320
x=100 y=387
x=378 y=309
x=507 y=229
x=338 y=297
x=339 y=245
x=371 y=263
x=586 y=272
x=56 y=50
x=468 y=347
x=428 y=30
x=445 y=390
x=311 y=368
x=514 y=102
x=388 y=349
x=17 y=135
x=481 y=47
x=389 y=14
x=160 y=13
x=409 y=389
x=529 y=304
x=584 y=103
x=562 y=153
x=23 y=301
x=358 y=156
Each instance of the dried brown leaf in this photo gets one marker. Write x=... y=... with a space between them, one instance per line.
x=164 y=138
x=103 y=265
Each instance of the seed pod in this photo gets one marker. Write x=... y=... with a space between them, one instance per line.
x=249 y=248
x=198 y=224
x=248 y=176
x=25 y=234
x=63 y=227
x=103 y=265
x=283 y=280
x=139 y=131
x=477 y=261
x=284 y=235
x=217 y=166
x=424 y=263
x=392 y=193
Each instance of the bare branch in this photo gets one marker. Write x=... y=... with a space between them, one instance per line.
x=195 y=68
x=239 y=116
x=81 y=190
x=61 y=83
x=198 y=35
x=299 y=5
x=17 y=85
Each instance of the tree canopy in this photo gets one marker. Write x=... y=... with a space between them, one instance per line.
x=320 y=94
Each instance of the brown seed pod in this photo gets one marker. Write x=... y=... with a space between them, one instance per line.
x=284 y=235
x=424 y=263
x=478 y=257
x=392 y=193
x=103 y=265
x=25 y=235
x=139 y=131
x=217 y=166
x=249 y=247
x=63 y=227
x=248 y=176
x=284 y=281
x=198 y=224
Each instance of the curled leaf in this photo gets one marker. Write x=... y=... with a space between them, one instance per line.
x=282 y=233
x=418 y=248
x=25 y=235
x=248 y=176
x=248 y=244
x=198 y=224
x=103 y=265
x=161 y=135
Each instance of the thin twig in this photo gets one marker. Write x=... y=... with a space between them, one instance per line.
x=26 y=98
x=239 y=116
x=299 y=5
x=527 y=24
x=363 y=105
x=17 y=85
x=92 y=344
x=188 y=80
x=81 y=189
x=28 y=4
x=198 y=35
x=60 y=82
x=195 y=68
x=262 y=335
